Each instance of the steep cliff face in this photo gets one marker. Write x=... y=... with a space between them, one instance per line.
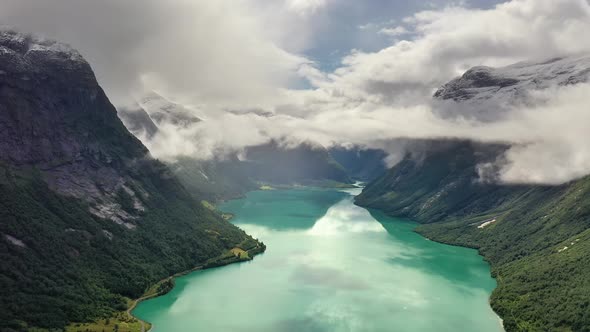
x=87 y=216
x=55 y=117
x=537 y=238
x=138 y=121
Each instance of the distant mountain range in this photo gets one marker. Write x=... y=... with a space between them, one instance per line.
x=275 y=163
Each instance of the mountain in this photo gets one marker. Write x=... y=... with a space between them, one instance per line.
x=361 y=164
x=163 y=111
x=263 y=165
x=536 y=238
x=214 y=180
x=138 y=121
x=88 y=217
x=487 y=93
x=303 y=163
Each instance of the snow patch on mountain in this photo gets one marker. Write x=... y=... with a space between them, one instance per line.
x=164 y=111
x=488 y=94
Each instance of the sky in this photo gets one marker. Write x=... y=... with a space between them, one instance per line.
x=331 y=71
x=346 y=25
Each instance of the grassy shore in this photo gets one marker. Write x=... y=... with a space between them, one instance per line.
x=125 y=321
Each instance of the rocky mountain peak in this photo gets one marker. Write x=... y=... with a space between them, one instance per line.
x=486 y=93
x=54 y=117
x=40 y=59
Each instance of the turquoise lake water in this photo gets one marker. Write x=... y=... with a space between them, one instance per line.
x=330 y=266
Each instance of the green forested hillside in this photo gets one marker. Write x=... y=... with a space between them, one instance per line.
x=87 y=216
x=74 y=266
x=213 y=180
x=523 y=231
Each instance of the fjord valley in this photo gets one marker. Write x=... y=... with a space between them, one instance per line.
x=358 y=270
x=294 y=165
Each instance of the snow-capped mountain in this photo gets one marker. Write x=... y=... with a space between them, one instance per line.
x=162 y=111
x=486 y=93
x=146 y=116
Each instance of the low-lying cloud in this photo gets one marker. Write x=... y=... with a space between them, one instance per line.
x=238 y=55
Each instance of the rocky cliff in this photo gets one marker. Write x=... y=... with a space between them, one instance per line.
x=87 y=216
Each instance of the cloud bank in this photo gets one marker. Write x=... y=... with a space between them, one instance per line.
x=209 y=51
x=222 y=55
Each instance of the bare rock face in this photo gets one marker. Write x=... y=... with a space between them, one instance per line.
x=83 y=206
x=138 y=121
x=55 y=118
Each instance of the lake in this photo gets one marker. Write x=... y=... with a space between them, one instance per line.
x=330 y=266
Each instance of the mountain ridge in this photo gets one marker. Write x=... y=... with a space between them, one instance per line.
x=487 y=93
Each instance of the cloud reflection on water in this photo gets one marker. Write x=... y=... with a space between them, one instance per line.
x=345 y=218
x=346 y=270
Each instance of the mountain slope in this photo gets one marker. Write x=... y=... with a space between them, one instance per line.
x=361 y=164
x=303 y=163
x=520 y=230
x=535 y=237
x=87 y=216
x=268 y=164
x=486 y=93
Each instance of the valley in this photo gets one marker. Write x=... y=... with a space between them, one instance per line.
x=331 y=266
x=428 y=186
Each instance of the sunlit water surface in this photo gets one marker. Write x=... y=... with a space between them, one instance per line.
x=330 y=266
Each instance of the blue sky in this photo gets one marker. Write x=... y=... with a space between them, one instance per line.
x=215 y=55
x=346 y=25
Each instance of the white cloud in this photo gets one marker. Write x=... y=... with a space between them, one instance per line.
x=306 y=6
x=394 y=32
x=377 y=25
x=218 y=51
x=243 y=54
x=554 y=136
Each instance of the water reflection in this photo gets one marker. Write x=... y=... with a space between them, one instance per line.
x=432 y=258
x=345 y=218
x=284 y=210
x=330 y=266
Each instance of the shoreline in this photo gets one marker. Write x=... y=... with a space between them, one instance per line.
x=415 y=230
x=500 y=319
x=220 y=261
